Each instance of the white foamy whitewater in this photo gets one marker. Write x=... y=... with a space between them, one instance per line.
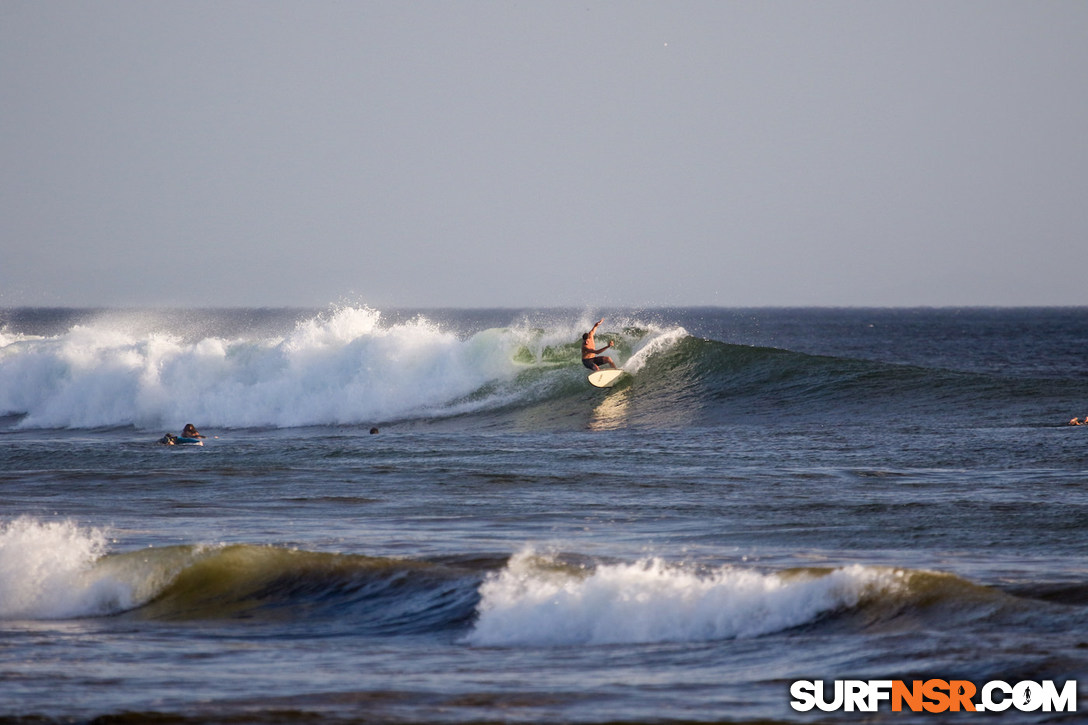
x=47 y=572
x=535 y=601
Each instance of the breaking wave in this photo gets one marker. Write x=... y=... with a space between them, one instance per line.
x=59 y=570
x=345 y=366
x=349 y=366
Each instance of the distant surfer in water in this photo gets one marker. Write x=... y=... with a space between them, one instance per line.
x=591 y=358
x=190 y=431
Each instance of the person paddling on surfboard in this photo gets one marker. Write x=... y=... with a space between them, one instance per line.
x=591 y=358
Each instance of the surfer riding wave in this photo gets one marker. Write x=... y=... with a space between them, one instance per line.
x=591 y=358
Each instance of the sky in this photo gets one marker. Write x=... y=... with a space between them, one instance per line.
x=541 y=154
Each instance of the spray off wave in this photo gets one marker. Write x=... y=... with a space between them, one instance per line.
x=47 y=572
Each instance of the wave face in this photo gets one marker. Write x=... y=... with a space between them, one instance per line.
x=350 y=367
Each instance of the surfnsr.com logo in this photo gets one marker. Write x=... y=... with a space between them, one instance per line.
x=933 y=696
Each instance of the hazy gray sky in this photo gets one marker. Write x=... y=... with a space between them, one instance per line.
x=543 y=153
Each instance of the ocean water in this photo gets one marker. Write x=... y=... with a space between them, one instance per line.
x=769 y=496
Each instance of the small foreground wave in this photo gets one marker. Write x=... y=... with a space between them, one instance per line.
x=59 y=570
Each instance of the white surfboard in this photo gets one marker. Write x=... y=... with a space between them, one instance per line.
x=605 y=378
